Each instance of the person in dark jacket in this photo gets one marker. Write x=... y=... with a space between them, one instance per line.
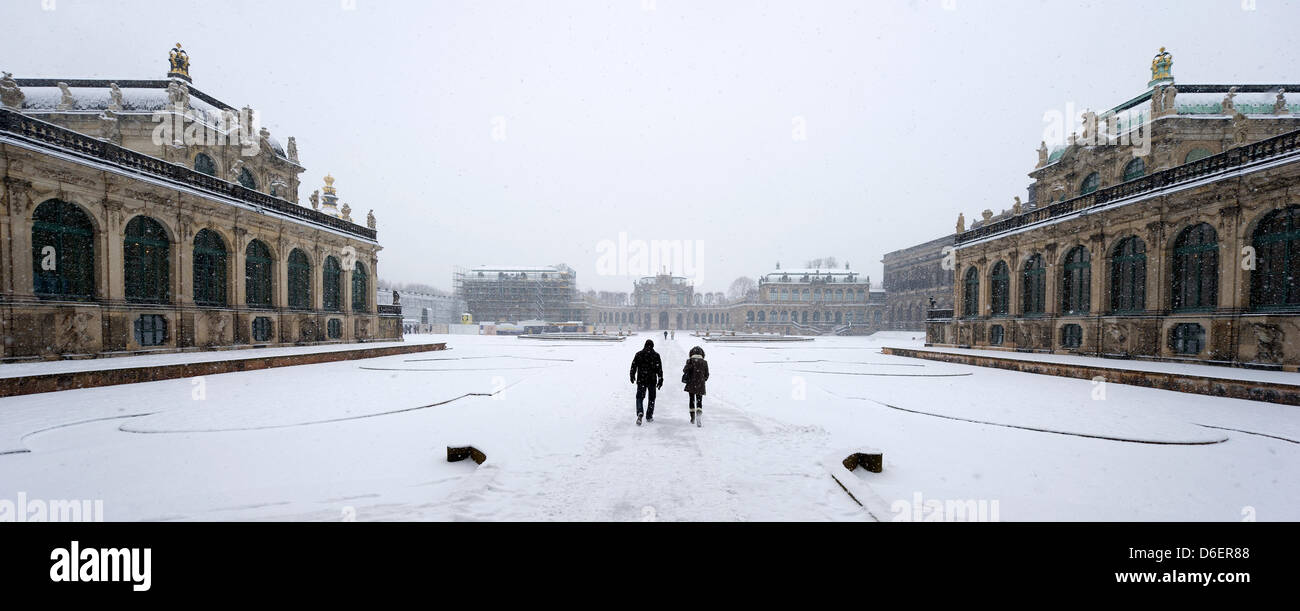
x=694 y=374
x=647 y=373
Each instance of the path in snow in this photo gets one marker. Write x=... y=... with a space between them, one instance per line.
x=738 y=466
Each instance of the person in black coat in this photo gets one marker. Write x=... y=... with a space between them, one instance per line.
x=647 y=373
x=694 y=375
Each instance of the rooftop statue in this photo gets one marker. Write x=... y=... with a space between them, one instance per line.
x=10 y=94
x=179 y=63
x=1229 y=107
x=1162 y=66
x=115 y=97
x=66 y=102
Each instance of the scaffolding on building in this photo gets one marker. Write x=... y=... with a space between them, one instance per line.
x=518 y=293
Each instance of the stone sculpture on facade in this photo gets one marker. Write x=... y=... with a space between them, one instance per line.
x=114 y=97
x=1228 y=106
x=66 y=102
x=178 y=95
x=10 y=94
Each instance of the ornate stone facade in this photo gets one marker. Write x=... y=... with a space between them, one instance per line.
x=1195 y=255
x=914 y=276
x=792 y=301
x=116 y=245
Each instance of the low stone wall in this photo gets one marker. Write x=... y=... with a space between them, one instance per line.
x=26 y=385
x=1285 y=394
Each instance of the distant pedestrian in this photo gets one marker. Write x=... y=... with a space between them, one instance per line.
x=647 y=373
x=694 y=375
x=665 y=335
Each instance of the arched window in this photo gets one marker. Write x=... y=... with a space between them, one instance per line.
x=145 y=261
x=203 y=163
x=1275 y=282
x=1000 y=290
x=762 y=316
x=257 y=274
x=63 y=252
x=1090 y=183
x=839 y=294
x=1076 y=280
x=360 y=288
x=1196 y=269
x=331 y=288
x=1196 y=154
x=209 y=269
x=839 y=317
x=299 y=280
x=749 y=316
x=970 y=297
x=1033 y=286
x=1128 y=276
x=1136 y=168
x=817 y=316
x=246 y=179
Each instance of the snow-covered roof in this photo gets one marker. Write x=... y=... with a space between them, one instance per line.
x=94 y=96
x=1254 y=101
x=796 y=274
x=1250 y=103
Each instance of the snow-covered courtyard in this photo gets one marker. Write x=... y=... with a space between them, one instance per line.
x=367 y=439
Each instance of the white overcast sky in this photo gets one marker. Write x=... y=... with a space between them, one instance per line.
x=662 y=119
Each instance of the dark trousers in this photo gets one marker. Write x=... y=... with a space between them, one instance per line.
x=696 y=403
x=640 y=395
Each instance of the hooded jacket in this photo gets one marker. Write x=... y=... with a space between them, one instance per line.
x=647 y=369
x=696 y=372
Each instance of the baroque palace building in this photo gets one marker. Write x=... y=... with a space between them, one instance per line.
x=789 y=301
x=147 y=215
x=663 y=301
x=1185 y=246
x=915 y=282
